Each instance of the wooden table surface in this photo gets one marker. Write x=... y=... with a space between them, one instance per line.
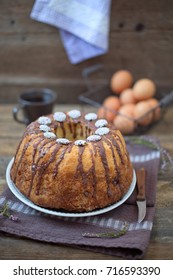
x=161 y=242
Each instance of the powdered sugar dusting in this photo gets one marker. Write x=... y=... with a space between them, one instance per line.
x=80 y=142
x=94 y=138
x=90 y=116
x=63 y=141
x=101 y=123
x=59 y=116
x=44 y=120
x=44 y=127
x=50 y=135
x=74 y=114
x=102 y=131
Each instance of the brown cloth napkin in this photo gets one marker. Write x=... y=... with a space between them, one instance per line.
x=69 y=231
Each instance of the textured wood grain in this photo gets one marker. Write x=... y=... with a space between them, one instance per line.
x=32 y=54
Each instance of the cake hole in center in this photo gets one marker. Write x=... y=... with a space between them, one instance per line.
x=73 y=131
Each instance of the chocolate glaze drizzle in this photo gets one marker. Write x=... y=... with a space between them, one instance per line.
x=43 y=168
x=92 y=172
x=117 y=177
x=105 y=165
x=36 y=167
x=66 y=149
x=41 y=164
x=23 y=153
x=80 y=170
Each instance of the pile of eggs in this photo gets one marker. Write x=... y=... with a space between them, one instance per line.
x=132 y=104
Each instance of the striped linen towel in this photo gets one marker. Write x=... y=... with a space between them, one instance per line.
x=83 y=25
x=69 y=231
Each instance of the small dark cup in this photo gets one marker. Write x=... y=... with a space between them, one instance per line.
x=33 y=104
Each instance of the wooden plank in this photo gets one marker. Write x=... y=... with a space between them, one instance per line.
x=127 y=15
x=31 y=49
x=164 y=223
x=37 y=55
x=6 y=109
x=15 y=16
x=164 y=197
x=66 y=93
x=9 y=146
x=32 y=54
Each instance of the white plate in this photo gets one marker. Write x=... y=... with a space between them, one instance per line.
x=25 y=200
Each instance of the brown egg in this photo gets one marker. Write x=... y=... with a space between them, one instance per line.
x=127 y=110
x=140 y=111
x=125 y=125
x=153 y=103
x=110 y=106
x=127 y=96
x=121 y=80
x=144 y=89
x=112 y=103
x=106 y=114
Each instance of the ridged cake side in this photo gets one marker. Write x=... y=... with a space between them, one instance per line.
x=76 y=177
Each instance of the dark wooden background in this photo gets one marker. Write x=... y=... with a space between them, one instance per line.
x=32 y=55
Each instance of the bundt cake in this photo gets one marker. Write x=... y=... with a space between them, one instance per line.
x=73 y=162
